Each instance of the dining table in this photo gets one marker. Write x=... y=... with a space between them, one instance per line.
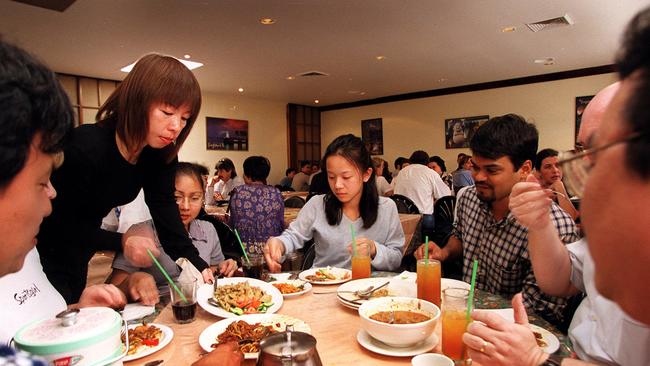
x=334 y=326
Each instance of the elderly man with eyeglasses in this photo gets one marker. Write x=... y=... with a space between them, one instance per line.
x=611 y=324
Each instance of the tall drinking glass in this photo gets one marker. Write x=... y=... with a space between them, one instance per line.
x=428 y=278
x=454 y=323
x=184 y=311
x=360 y=265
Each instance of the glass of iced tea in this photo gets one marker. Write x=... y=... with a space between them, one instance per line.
x=184 y=309
x=254 y=267
x=454 y=323
x=360 y=264
x=428 y=280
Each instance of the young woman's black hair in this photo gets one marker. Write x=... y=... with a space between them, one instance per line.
x=227 y=165
x=353 y=150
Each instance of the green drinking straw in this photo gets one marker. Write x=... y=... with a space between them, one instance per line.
x=470 y=300
x=426 y=249
x=354 y=241
x=242 y=247
x=167 y=276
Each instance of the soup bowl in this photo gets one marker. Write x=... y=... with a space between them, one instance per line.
x=392 y=309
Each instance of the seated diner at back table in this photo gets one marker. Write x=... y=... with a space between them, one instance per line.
x=352 y=203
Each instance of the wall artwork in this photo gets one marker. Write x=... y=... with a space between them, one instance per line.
x=372 y=135
x=226 y=134
x=581 y=104
x=459 y=131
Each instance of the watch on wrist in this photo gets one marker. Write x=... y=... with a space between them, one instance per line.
x=553 y=360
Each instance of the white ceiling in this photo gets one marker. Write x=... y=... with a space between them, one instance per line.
x=428 y=44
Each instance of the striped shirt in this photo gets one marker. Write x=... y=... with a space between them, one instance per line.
x=501 y=248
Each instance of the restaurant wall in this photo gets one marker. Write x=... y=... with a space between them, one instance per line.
x=267 y=136
x=418 y=124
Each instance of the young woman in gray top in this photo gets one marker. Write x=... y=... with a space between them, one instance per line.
x=353 y=200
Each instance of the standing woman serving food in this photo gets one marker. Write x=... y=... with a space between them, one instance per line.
x=133 y=145
x=353 y=200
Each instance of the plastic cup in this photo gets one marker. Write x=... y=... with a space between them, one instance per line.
x=454 y=322
x=360 y=266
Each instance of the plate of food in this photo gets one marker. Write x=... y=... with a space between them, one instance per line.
x=247 y=331
x=346 y=292
x=326 y=275
x=145 y=339
x=292 y=288
x=546 y=340
x=236 y=296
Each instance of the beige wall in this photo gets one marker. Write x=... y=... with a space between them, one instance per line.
x=419 y=124
x=267 y=136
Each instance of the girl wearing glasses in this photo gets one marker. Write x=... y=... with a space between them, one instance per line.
x=133 y=146
x=189 y=193
x=352 y=201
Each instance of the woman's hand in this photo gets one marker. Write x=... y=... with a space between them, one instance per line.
x=135 y=242
x=208 y=277
x=102 y=295
x=227 y=267
x=498 y=342
x=226 y=354
x=364 y=246
x=273 y=251
x=141 y=286
x=530 y=204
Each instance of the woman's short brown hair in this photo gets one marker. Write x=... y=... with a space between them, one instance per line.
x=154 y=79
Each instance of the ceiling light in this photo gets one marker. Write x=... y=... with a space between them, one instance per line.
x=241 y=90
x=442 y=80
x=508 y=29
x=290 y=77
x=189 y=64
x=267 y=21
x=545 y=61
x=380 y=58
x=316 y=101
x=187 y=56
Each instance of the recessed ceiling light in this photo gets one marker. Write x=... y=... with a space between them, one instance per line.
x=189 y=64
x=187 y=56
x=508 y=29
x=380 y=58
x=441 y=80
x=316 y=101
x=267 y=21
x=241 y=90
x=545 y=61
x=290 y=77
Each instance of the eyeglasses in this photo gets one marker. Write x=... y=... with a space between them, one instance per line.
x=576 y=165
x=195 y=201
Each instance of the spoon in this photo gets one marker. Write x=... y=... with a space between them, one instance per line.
x=365 y=294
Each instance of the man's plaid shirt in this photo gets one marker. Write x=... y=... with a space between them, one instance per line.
x=501 y=248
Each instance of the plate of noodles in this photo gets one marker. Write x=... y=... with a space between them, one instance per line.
x=237 y=296
x=247 y=331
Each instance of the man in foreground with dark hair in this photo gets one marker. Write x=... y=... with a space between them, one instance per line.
x=503 y=150
x=614 y=264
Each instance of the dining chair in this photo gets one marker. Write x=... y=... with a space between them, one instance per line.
x=404 y=204
x=294 y=202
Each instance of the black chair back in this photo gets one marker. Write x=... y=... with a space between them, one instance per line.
x=229 y=245
x=404 y=204
x=443 y=213
x=309 y=254
x=294 y=202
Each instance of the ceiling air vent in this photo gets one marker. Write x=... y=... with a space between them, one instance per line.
x=58 y=5
x=550 y=23
x=313 y=73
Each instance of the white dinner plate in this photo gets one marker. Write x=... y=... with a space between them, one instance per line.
x=371 y=344
x=552 y=343
x=450 y=282
x=342 y=275
x=206 y=291
x=306 y=287
x=345 y=295
x=167 y=335
x=279 y=322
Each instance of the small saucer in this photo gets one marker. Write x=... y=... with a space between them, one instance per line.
x=371 y=344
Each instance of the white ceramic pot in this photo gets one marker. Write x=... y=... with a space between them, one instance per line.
x=85 y=337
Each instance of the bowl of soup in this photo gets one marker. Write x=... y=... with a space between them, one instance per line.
x=399 y=321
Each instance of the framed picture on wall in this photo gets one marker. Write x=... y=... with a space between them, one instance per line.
x=372 y=135
x=459 y=131
x=226 y=134
x=581 y=104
